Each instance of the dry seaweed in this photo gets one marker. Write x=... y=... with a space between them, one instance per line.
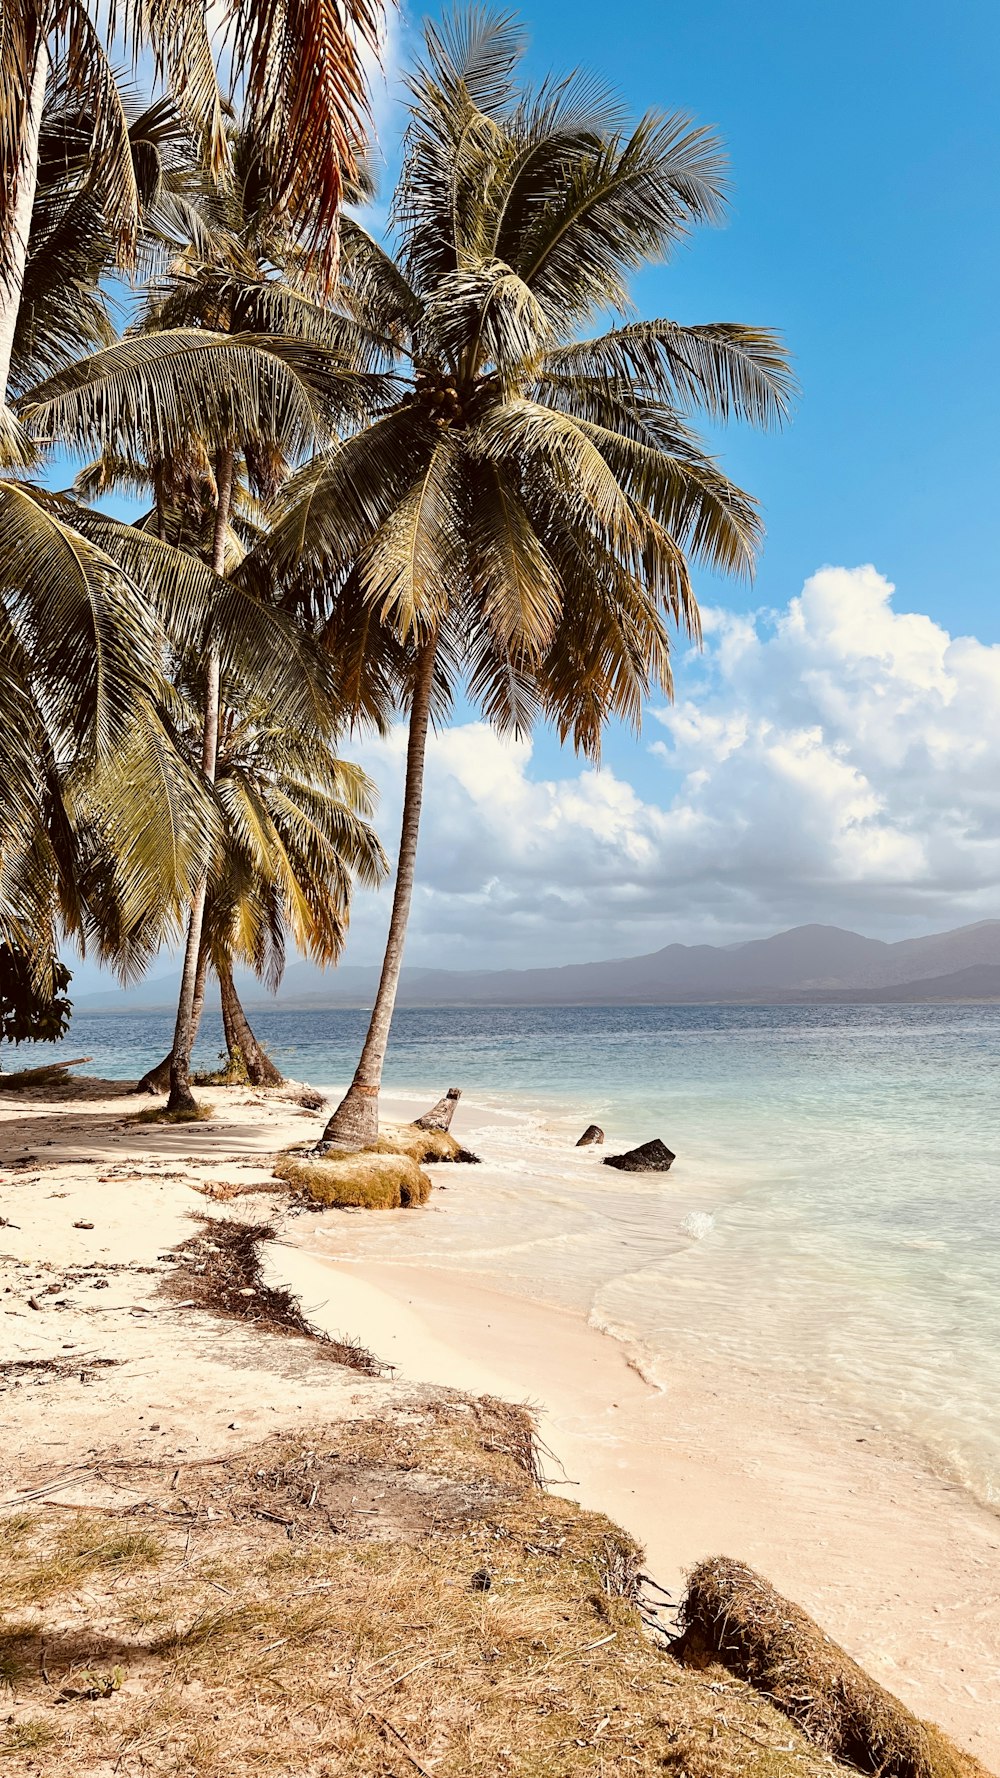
x=219 y=1269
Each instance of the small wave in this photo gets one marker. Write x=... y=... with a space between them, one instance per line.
x=698 y=1224
x=638 y=1357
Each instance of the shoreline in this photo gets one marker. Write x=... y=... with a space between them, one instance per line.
x=900 y=1567
x=899 y=1564
x=903 y=1569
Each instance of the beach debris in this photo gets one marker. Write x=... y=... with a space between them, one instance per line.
x=593 y=1133
x=83 y=1225
x=649 y=1157
x=48 y=1074
x=92 y=1687
x=731 y=1615
x=212 y=1274
x=440 y=1115
x=310 y=1099
x=155 y=1080
x=296 y=1092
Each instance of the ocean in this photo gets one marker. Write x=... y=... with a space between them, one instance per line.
x=831 y=1221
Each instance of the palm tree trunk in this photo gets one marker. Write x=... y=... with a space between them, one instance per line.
x=244 y=1050
x=157 y=1080
x=14 y=251
x=354 y=1124
x=181 y=1097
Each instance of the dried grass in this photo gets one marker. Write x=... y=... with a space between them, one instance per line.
x=77 y=1551
x=158 y=1114
x=363 y=1601
x=733 y=1616
x=366 y=1181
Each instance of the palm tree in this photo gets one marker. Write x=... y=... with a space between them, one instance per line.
x=80 y=684
x=296 y=838
x=210 y=454
x=85 y=753
x=299 y=72
x=525 y=514
x=162 y=398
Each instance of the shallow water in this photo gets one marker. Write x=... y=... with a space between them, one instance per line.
x=831 y=1217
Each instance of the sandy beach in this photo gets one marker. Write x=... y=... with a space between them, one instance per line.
x=901 y=1567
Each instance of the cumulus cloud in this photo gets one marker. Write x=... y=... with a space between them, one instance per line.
x=836 y=760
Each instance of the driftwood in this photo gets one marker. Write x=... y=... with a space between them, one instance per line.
x=440 y=1115
x=593 y=1133
x=29 y=1077
x=649 y=1157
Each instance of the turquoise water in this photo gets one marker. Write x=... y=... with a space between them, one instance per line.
x=831 y=1218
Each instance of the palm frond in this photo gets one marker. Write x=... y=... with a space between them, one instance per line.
x=727 y=370
x=517 y=589
x=158 y=390
x=485 y=318
x=626 y=203
x=417 y=554
x=80 y=616
x=329 y=512
x=537 y=439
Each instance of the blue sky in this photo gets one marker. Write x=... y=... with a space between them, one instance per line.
x=864 y=147
x=832 y=755
x=827 y=760
x=865 y=151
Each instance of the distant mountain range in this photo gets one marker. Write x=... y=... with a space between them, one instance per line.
x=807 y=963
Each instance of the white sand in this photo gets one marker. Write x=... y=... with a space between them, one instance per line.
x=901 y=1568
x=183 y=1384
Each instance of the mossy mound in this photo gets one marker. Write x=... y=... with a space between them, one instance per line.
x=366 y=1181
x=734 y=1617
x=422 y=1146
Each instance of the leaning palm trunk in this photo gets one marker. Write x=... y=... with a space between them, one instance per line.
x=157 y=1080
x=354 y=1124
x=245 y=1053
x=14 y=251
x=181 y=1097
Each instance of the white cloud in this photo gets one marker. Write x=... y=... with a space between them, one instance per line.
x=836 y=760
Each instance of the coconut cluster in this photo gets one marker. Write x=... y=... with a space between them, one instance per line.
x=440 y=397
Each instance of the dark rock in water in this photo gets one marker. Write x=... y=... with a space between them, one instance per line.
x=440 y=1115
x=649 y=1157
x=593 y=1133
